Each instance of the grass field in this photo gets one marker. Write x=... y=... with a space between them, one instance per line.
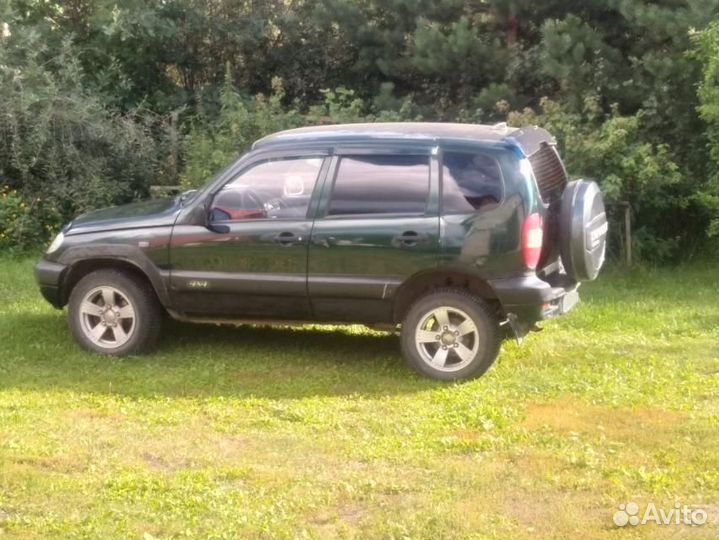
x=324 y=433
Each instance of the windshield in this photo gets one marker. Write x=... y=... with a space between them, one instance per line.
x=191 y=195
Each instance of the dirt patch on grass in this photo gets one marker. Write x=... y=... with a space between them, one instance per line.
x=163 y=464
x=329 y=520
x=187 y=449
x=569 y=415
x=556 y=514
x=55 y=464
x=92 y=414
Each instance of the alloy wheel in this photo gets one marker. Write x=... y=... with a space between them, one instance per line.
x=108 y=317
x=447 y=339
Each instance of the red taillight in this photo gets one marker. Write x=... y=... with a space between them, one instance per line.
x=532 y=234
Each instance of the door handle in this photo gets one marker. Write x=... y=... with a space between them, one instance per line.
x=287 y=238
x=409 y=238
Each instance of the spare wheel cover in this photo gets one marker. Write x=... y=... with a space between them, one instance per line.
x=583 y=230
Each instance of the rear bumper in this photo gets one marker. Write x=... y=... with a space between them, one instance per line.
x=529 y=299
x=49 y=277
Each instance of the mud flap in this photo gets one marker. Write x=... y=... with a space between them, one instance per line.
x=518 y=329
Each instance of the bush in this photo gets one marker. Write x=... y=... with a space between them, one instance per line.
x=22 y=224
x=610 y=150
x=213 y=144
x=61 y=151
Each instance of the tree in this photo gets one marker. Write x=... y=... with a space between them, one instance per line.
x=707 y=51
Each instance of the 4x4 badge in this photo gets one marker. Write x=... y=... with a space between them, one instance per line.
x=198 y=284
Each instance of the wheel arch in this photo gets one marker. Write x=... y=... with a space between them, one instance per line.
x=423 y=282
x=81 y=263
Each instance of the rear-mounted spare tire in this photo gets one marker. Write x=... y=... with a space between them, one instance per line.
x=582 y=230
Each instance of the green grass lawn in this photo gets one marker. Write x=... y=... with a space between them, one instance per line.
x=324 y=433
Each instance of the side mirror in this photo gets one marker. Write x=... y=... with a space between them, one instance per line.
x=219 y=228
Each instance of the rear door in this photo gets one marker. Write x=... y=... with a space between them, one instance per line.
x=377 y=224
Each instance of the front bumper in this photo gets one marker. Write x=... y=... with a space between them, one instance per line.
x=529 y=299
x=49 y=276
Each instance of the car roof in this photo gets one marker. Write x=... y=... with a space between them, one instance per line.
x=420 y=131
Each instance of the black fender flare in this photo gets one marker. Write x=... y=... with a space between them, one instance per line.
x=440 y=276
x=128 y=254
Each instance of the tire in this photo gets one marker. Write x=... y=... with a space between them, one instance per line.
x=583 y=230
x=134 y=324
x=465 y=355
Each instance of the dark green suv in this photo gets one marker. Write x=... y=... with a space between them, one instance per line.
x=449 y=230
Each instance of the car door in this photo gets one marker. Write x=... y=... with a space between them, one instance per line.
x=250 y=259
x=377 y=224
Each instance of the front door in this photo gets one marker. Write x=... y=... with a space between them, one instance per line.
x=251 y=261
x=377 y=225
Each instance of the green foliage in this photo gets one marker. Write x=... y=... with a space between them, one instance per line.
x=576 y=55
x=24 y=225
x=340 y=105
x=389 y=108
x=211 y=145
x=61 y=151
x=707 y=50
x=460 y=55
x=610 y=149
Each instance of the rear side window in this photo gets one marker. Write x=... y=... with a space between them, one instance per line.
x=392 y=184
x=470 y=182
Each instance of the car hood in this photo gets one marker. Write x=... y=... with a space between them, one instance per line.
x=153 y=213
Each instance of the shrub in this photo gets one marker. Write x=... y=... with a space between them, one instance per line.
x=24 y=224
x=610 y=149
x=61 y=151
x=211 y=145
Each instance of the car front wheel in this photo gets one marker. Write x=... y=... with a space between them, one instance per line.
x=112 y=313
x=449 y=335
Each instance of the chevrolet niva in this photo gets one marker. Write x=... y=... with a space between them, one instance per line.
x=447 y=231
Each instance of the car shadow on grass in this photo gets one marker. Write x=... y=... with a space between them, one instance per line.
x=196 y=360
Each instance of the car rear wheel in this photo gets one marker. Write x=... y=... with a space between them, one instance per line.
x=450 y=335
x=111 y=313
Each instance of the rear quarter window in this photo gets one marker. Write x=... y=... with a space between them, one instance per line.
x=470 y=182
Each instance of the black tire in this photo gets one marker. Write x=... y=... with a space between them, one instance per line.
x=583 y=230
x=487 y=334
x=146 y=311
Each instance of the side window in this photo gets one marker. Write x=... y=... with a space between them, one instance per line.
x=394 y=184
x=470 y=182
x=269 y=190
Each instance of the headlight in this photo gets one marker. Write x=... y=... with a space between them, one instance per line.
x=56 y=243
